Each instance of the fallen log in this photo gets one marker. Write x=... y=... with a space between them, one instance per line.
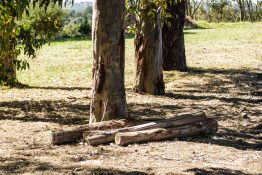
x=158 y=134
x=102 y=137
x=257 y=92
x=73 y=135
x=259 y=75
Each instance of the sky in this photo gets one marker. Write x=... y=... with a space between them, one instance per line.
x=83 y=1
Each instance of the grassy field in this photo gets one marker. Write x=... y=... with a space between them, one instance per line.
x=222 y=59
x=69 y=63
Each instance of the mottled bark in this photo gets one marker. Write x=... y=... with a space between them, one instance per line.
x=108 y=93
x=174 y=57
x=148 y=51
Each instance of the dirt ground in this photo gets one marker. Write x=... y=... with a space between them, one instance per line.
x=220 y=83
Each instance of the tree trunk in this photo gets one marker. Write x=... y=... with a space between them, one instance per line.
x=241 y=5
x=7 y=58
x=189 y=8
x=250 y=9
x=8 y=64
x=174 y=57
x=148 y=51
x=108 y=93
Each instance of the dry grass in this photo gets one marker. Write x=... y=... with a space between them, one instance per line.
x=221 y=60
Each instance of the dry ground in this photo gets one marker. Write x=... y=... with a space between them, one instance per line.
x=222 y=60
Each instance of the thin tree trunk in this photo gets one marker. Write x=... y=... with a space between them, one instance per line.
x=148 y=51
x=7 y=59
x=250 y=9
x=241 y=5
x=174 y=57
x=108 y=93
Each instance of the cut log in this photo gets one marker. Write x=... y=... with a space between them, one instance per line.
x=73 y=135
x=259 y=83
x=99 y=139
x=259 y=75
x=102 y=137
x=158 y=134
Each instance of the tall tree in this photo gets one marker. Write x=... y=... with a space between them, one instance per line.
x=250 y=9
x=192 y=7
x=108 y=93
x=241 y=4
x=148 y=49
x=174 y=57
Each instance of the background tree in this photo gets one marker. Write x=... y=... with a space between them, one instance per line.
x=224 y=10
x=218 y=6
x=192 y=7
x=12 y=33
x=241 y=4
x=174 y=57
x=148 y=49
x=77 y=23
x=108 y=93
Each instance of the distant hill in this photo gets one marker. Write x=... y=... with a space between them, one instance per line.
x=80 y=6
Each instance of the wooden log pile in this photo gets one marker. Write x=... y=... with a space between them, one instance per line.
x=124 y=132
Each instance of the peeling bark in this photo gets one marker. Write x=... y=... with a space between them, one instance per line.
x=108 y=93
x=148 y=52
x=174 y=57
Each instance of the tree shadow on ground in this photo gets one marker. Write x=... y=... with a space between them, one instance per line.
x=230 y=138
x=225 y=96
x=245 y=140
x=189 y=33
x=57 y=88
x=115 y=172
x=198 y=70
x=232 y=92
x=61 y=112
x=210 y=97
x=18 y=165
x=216 y=171
x=84 y=38
x=150 y=111
x=24 y=86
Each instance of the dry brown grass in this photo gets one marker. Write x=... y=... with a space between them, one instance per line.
x=221 y=60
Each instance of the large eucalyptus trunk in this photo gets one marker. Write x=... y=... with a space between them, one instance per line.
x=148 y=50
x=108 y=92
x=174 y=57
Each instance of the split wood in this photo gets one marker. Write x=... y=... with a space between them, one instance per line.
x=110 y=131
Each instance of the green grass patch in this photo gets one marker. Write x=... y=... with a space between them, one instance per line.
x=69 y=62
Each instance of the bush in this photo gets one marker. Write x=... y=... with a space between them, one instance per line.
x=85 y=28
x=71 y=30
